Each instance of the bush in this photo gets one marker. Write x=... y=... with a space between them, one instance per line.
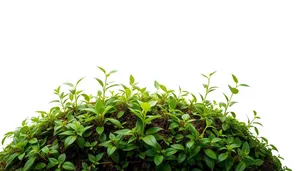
x=134 y=129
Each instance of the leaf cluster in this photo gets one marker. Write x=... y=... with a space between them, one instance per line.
x=134 y=129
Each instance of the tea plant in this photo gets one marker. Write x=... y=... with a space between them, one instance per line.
x=134 y=129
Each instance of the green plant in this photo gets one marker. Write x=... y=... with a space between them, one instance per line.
x=134 y=129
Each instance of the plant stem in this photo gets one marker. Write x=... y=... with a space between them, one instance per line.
x=104 y=89
x=206 y=93
x=228 y=103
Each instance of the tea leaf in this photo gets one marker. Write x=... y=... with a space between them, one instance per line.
x=102 y=69
x=235 y=79
x=112 y=72
x=241 y=166
x=146 y=107
x=233 y=90
x=100 y=130
x=158 y=159
x=69 y=166
x=150 y=140
x=211 y=154
x=181 y=157
x=164 y=88
x=40 y=166
x=246 y=148
x=100 y=82
x=61 y=158
x=156 y=84
x=244 y=85
x=209 y=162
x=177 y=147
x=69 y=140
x=222 y=157
x=131 y=78
x=110 y=150
x=258 y=162
x=29 y=163
x=153 y=130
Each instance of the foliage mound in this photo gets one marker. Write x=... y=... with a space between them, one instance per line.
x=134 y=129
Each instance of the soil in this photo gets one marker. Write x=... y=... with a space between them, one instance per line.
x=267 y=166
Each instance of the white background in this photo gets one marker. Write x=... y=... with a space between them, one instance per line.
x=46 y=43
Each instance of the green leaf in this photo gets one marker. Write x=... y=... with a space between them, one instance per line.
x=115 y=122
x=204 y=76
x=211 y=154
x=258 y=162
x=185 y=116
x=33 y=141
x=195 y=151
x=8 y=134
x=228 y=164
x=120 y=114
x=40 y=166
x=115 y=157
x=181 y=157
x=256 y=131
x=178 y=147
x=215 y=140
x=225 y=126
x=21 y=156
x=99 y=156
x=172 y=104
x=80 y=142
x=69 y=84
x=69 y=166
x=29 y=163
x=246 y=148
x=124 y=132
x=102 y=69
x=170 y=152
x=166 y=167
x=69 y=140
x=79 y=81
x=235 y=79
x=100 y=130
x=156 y=84
x=92 y=158
x=99 y=107
x=210 y=74
x=244 y=85
x=150 y=140
x=153 y=130
x=241 y=166
x=52 y=162
x=164 y=88
x=233 y=90
x=226 y=97
x=190 y=144
x=158 y=159
x=61 y=158
x=11 y=159
x=112 y=72
x=222 y=157
x=100 y=82
x=145 y=106
x=131 y=78
x=91 y=110
x=209 y=162
x=110 y=150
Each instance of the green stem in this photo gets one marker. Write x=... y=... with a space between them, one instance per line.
x=104 y=89
x=206 y=93
x=228 y=103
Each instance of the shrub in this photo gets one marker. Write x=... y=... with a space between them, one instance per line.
x=134 y=129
